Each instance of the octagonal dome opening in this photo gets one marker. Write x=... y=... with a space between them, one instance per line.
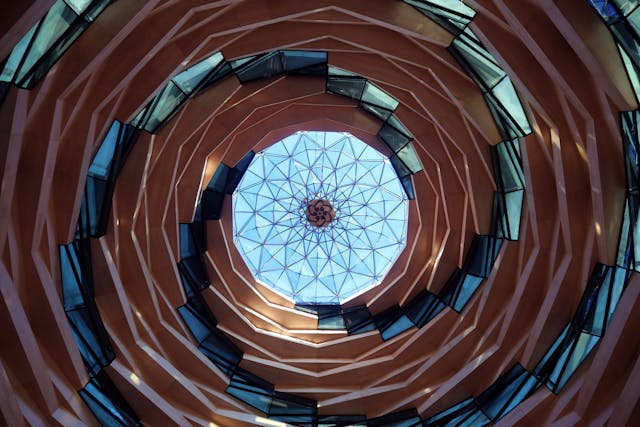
x=320 y=217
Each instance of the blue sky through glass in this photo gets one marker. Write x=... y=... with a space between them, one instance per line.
x=305 y=262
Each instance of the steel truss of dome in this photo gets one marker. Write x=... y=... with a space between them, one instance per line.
x=258 y=348
x=307 y=260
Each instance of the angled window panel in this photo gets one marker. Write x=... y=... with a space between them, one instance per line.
x=12 y=64
x=351 y=87
x=407 y=184
x=394 y=138
x=251 y=389
x=82 y=313
x=464 y=414
x=482 y=254
x=498 y=90
x=329 y=315
x=331 y=322
x=342 y=421
x=564 y=357
x=408 y=418
x=192 y=239
x=304 y=62
x=213 y=196
x=221 y=351
x=264 y=66
x=507 y=166
x=459 y=289
x=392 y=322
x=632 y=70
x=113 y=150
x=198 y=318
x=193 y=274
x=424 y=307
x=238 y=64
x=452 y=15
x=192 y=78
x=293 y=409
x=629 y=122
x=600 y=298
x=476 y=61
x=396 y=124
x=161 y=108
x=507 y=209
x=626 y=38
x=398 y=165
x=91 y=337
x=629 y=242
x=378 y=111
x=95 y=207
x=237 y=172
x=507 y=392
x=606 y=9
x=330 y=318
x=222 y=71
x=47 y=41
x=54 y=37
x=410 y=158
x=335 y=71
x=505 y=105
x=373 y=95
x=358 y=320
x=106 y=403
x=76 y=273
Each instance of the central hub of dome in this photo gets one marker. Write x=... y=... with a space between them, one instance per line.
x=319 y=212
x=320 y=217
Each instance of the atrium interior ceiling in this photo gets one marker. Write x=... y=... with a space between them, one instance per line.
x=498 y=218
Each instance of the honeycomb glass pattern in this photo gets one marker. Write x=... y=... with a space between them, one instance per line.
x=326 y=259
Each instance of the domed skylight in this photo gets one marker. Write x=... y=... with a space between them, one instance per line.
x=320 y=217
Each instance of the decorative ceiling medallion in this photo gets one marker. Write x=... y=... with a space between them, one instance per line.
x=320 y=217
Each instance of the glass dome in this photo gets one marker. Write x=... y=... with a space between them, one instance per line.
x=320 y=217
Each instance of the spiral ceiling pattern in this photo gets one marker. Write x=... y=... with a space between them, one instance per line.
x=515 y=300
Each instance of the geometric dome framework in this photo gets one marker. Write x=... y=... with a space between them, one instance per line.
x=340 y=259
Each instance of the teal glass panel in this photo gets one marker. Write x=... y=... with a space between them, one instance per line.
x=190 y=79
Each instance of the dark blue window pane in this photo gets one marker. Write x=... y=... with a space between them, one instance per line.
x=408 y=418
x=106 y=403
x=304 y=62
x=293 y=409
x=47 y=41
x=481 y=256
x=424 y=307
x=392 y=322
x=160 y=109
x=564 y=357
x=251 y=389
x=82 y=313
x=193 y=77
x=358 y=320
x=103 y=171
x=263 y=66
x=213 y=196
x=192 y=239
x=351 y=87
x=342 y=421
x=237 y=172
x=464 y=414
x=507 y=392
